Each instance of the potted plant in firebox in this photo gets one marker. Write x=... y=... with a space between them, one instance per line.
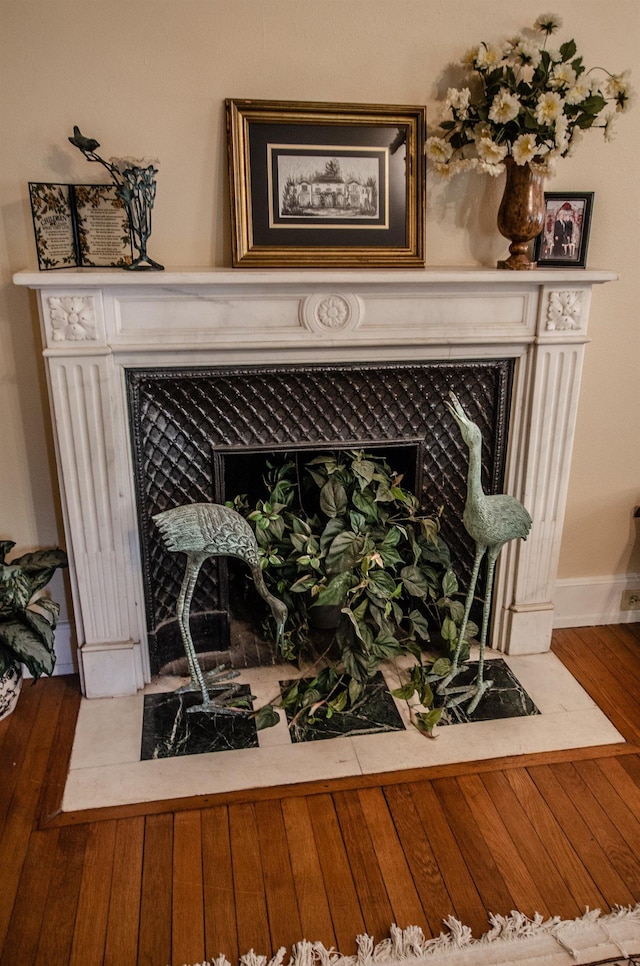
x=27 y=619
x=341 y=534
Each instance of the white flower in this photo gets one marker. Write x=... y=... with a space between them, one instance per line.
x=489 y=152
x=576 y=137
x=495 y=170
x=505 y=107
x=546 y=168
x=469 y=57
x=548 y=108
x=618 y=82
x=124 y=164
x=527 y=53
x=561 y=131
x=548 y=23
x=554 y=55
x=458 y=100
x=619 y=88
x=482 y=130
x=579 y=91
x=524 y=148
x=487 y=56
x=443 y=170
x=562 y=75
x=438 y=150
x=464 y=164
x=610 y=122
x=447 y=169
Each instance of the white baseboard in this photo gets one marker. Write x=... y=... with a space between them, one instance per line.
x=66 y=660
x=579 y=602
x=589 y=601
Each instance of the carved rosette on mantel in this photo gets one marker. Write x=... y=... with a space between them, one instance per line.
x=331 y=314
x=222 y=318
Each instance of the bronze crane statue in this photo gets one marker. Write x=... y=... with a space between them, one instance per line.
x=490 y=521
x=203 y=530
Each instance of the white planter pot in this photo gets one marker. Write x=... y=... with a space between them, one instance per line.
x=10 y=685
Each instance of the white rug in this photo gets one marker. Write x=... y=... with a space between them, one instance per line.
x=590 y=940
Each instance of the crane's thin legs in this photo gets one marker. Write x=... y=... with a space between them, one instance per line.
x=183 y=607
x=203 y=530
x=443 y=685
x=198 y=679
x=481 y=685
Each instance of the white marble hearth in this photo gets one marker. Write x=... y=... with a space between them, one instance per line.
x=106 y=769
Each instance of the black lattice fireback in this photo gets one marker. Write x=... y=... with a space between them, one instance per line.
x=179 y=417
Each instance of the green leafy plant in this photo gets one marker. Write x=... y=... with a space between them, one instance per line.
x=344 y=535
x=28 y=619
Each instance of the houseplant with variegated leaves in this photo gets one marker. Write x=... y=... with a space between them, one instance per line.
x=28 y=618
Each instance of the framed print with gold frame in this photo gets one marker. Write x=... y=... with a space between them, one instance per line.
x=326 y=185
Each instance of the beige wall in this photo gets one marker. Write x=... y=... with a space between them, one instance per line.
x=149 y=77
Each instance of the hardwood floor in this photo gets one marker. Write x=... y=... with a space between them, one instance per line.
x=549 y=833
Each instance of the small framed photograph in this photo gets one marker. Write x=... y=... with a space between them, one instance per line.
x=316 y=185
x=565 y=237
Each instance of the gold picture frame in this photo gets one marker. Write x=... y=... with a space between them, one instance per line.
x=326 y=185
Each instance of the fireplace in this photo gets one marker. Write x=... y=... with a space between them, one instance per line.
x=511 y=343
x=200 y=436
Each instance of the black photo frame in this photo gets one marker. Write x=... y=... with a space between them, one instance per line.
x=316 y=184
x=564 y=239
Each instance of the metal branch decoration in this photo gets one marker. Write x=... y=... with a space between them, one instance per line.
x=203 y=530
x=135 y=180
x=490 y=521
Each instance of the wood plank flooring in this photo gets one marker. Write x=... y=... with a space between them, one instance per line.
x=169 y=885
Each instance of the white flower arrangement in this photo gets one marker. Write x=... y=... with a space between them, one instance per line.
x=526 y=102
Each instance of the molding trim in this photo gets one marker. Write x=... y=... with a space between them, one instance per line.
x=589 y=601
x=579 y=602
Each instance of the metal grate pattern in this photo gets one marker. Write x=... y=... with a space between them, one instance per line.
x=179 y=417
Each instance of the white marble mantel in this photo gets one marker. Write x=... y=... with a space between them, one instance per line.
x=97 y=323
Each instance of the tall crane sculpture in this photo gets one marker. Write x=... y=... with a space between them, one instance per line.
x=203 y=530
x=490 y=521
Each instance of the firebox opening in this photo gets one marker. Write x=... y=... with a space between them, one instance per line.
x=241 y=472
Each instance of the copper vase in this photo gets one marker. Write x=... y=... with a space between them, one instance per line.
x=521 y=213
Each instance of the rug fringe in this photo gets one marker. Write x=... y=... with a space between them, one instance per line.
x=410 y=945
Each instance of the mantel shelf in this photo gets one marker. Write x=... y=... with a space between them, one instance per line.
x=68 y=278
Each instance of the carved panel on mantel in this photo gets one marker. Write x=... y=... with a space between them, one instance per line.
x=566 y=310
x=99 y=323
x=73 y=318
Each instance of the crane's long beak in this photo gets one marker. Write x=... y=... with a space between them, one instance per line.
x=457 y=411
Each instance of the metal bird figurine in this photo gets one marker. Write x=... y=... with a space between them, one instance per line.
x=490 y=521
x=86 y=145
x=203 y=530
